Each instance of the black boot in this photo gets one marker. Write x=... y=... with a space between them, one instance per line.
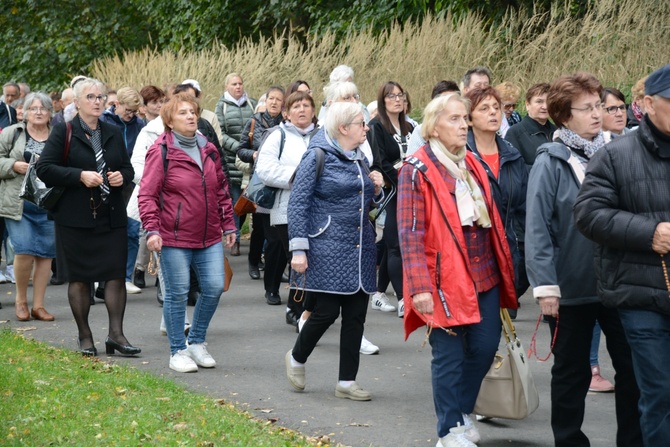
x=138 y=279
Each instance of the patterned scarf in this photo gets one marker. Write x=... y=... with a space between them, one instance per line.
x=573 y=140
x=95 y=137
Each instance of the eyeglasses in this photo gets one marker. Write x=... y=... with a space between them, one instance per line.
x=510 y=106
x=38 y=110
x=613 y=110
x=92 y=98
x=130 y=111
x=396 y=97
x=350 y=97
x=588 y=109
x=358 y=123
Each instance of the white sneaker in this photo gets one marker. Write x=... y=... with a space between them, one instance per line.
x=401 y=308
x=381 y=302
x=3 y=278
x=182 y=362
x=9 y=274
x=163 y=328
x=368 y=348
x=455 y=438
x=132 y=288
x=471 y=432
x=199 y=354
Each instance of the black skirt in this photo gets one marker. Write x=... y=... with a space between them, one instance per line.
x=91 y=254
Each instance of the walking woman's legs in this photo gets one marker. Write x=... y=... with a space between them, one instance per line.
x=115 y=300
x=78 y=294
x=41 y=276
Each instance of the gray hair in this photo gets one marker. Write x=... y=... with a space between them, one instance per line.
x=340 y=114
x=41 y=97
x=86 y=84
x=338 y=90
x=482 y=71
x=342 y=73
x=435 y=108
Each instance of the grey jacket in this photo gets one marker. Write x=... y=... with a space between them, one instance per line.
x=11 y=205
x=232 y=119
x=625 y=195
x=559 y=259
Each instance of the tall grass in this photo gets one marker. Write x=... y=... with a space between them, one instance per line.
x=619 y=41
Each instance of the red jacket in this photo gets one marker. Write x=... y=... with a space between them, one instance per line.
x=196 y=206
x=425 y=237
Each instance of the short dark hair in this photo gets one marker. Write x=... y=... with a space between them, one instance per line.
x=477 y=95
x=293 y=86
x=444 y=86
x=537 y=90
x=297 y=97
x=483 y=71
x=565 y=90
x=276 y=88
x=151 y=93
x=183 y=88
x=607 y=91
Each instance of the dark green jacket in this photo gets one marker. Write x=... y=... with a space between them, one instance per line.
x=232 y=119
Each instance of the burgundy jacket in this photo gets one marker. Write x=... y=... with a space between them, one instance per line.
x=187 y=206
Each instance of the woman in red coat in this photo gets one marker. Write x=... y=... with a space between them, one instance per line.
x=458 y=269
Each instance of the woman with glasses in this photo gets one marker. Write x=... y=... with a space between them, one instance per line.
x=124 y=114
x=560 y=266
x=614 y=112
x=388 y=137
x=90 y=217
x=29 y=228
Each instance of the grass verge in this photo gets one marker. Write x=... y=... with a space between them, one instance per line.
x=55 y=397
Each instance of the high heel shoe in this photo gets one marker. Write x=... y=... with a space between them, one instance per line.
x=111 y=345
x=87 y=352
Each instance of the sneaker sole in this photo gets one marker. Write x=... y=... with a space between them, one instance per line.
x=369 y=352
x=343 y=395
x=184 y=370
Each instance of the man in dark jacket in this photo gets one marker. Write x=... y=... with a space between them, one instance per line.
x=535 y=128
x=10 y=93
x=624 y=206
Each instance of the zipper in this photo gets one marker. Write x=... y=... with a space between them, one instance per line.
x=438 y=283
x=176 y=222
x=204 y=187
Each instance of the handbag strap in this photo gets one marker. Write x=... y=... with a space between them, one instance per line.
x=509 y=331
x=68 y=138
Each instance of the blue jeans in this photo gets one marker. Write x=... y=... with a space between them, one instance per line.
x=648 y=335
x=133 y=247
x=175 y=265
x=595 y=345
x=235 y=193
x=460 y=362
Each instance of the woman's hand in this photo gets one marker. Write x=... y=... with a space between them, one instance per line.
x=549 y=305
x=155 y=242
x=377 y=180
x=255 y=155
x=90 y=179
x=423 y=302
x=230 y=238
x=115 y=178
x=299 y=263
x=20 y=167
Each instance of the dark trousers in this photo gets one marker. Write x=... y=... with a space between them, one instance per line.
x=571 y=375
x=354 y=309
x=257 y=239
x=394 y=261
x=275 y=256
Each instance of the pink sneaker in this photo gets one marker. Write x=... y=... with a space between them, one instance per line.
x=598 y=383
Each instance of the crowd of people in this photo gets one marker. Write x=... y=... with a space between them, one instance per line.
x=460 y=214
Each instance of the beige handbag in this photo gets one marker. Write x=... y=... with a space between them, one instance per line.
x=508 y=391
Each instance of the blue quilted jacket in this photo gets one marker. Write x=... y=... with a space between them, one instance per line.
x=328 y=218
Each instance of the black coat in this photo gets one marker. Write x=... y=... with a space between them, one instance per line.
x=528 y=135
x=386 y=150
x=74 y=207
x=625 y=195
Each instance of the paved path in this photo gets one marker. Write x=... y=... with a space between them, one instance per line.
x=248 y=339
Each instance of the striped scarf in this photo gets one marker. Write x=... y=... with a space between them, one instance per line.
x=95 y=137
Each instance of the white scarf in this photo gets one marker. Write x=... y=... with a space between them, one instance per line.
x=240 y=102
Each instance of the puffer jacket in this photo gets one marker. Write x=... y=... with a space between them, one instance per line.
x=559 y=259
x=625 y=195
x=130 y=129
x=277 y=171
x=263 y=121
x=232 y=119
x=196 y=206
x=11 y=205
x=328 y=218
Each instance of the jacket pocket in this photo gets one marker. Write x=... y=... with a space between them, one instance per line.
x=438 y=284
x=176 y=222
x=321 y=229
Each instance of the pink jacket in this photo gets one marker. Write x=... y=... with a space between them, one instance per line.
x=196 y=206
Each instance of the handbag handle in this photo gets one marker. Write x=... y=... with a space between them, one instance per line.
x=508 y=329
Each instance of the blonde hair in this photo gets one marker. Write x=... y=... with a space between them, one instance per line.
x=508 y=91
x=435 y=108
x=637 y=90
x=129 y=97
x=230 y=76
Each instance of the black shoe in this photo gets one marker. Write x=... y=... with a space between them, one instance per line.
x=284 y=277
x=159 y=293
x=138 y=279
x=261 y=266
x=87 y=352
x=193 y=296
x=54 y=281
x=272 y=298
x=254 y=272
x=291 y=318
x=100 y=291
x=111 y=345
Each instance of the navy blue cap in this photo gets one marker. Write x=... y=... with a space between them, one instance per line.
x=658 y=83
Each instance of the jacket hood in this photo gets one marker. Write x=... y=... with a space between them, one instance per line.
x=555 y=149
x=325 y=142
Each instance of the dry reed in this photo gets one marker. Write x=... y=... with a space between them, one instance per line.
x=617 y=40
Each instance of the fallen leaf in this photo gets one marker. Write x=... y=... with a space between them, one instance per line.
x=180 y=426
x=358 y=424
x=24 y=329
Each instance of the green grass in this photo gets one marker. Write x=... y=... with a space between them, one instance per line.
x=55 y=397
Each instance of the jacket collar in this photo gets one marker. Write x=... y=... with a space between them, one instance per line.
x=78 y=131
x=505 y=149
x=648 y=140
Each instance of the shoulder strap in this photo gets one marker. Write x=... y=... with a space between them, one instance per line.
x=320 y=161
x=68 y=138
x=17 y=134
x=283 y=140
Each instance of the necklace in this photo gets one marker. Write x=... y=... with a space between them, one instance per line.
x=93 y=205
